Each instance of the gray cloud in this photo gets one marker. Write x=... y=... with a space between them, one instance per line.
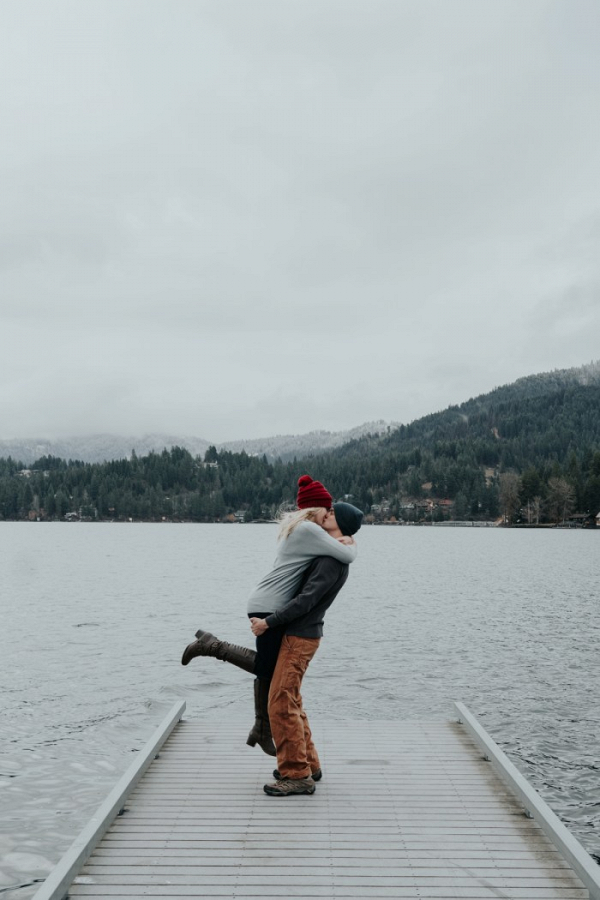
x=235 y=219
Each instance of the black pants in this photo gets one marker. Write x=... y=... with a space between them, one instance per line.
x=267 y=648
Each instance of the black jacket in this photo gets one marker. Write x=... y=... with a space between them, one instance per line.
x=303 y=615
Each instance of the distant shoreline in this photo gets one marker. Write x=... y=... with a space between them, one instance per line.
x=450 y=524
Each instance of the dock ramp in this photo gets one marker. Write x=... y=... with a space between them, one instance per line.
x=428 y=810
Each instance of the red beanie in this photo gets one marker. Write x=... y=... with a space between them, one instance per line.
x=312 y=493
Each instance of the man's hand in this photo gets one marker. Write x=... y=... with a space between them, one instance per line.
x=346 y=539
x=258 y=626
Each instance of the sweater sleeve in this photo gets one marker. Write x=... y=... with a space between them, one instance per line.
x=323 y=576
x=316 y=542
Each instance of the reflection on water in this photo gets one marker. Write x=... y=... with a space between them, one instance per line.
x=95 y=618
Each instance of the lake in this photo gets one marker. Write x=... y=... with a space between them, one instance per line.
x=95 y=618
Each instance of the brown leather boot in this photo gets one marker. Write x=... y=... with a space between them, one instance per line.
x=209 y=645
x=261 y=730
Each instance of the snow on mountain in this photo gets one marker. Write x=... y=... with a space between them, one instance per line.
x=101 y=447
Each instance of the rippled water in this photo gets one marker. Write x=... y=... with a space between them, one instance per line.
x=95 y=616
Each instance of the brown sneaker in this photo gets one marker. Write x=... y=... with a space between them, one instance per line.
x=288 y=786
x=316 y=775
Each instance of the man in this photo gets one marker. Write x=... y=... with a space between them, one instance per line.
x=297 y=759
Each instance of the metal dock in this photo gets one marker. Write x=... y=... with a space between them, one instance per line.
x=405 y=809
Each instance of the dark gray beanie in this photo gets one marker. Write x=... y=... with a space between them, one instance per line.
x=348 y=517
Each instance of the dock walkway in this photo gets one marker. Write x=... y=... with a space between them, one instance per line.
x=405 y=809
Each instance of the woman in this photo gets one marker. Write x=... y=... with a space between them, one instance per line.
x=301 y=539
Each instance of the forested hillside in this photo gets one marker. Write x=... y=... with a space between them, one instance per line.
x=529 y=451
x=487 y=454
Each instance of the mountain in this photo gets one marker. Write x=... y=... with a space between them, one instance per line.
x=447 y=424
x=546 y=403
x=103 y=447
x=544 y=415
x=539 y=433
x=289 y=446
x=98 y=447
x=532 y=445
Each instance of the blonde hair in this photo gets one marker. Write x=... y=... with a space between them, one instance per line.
x=290 y=520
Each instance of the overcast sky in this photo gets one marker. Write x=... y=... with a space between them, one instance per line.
x=240 y=218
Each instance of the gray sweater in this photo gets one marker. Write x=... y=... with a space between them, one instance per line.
x=303 y=615
x=294 y=555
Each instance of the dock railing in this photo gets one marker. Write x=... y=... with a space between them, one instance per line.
x=56 y=886
x=580 y=861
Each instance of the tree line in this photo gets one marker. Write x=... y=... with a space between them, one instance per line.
x=525 y=453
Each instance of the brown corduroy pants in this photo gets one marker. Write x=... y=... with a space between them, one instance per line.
x=296 y=754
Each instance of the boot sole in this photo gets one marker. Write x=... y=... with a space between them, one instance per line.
x=290 y=794
x=188 y=656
